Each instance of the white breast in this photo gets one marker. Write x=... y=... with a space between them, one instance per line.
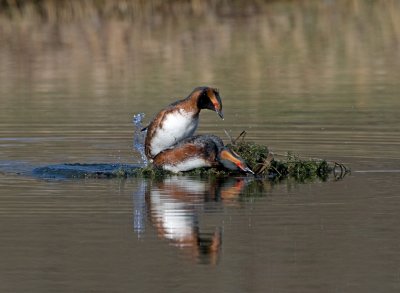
x=177 y=126
x=187 y=165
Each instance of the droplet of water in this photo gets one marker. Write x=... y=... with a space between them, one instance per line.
x=139 y=137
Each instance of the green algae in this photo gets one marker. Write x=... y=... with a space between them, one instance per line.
x=299 y=169
x=254 y=154
x=265 y=164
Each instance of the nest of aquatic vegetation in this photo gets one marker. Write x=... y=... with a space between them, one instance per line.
x=263 y=162
x=266 y=165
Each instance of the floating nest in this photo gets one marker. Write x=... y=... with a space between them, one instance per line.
x=267 y=165
x=264 y=163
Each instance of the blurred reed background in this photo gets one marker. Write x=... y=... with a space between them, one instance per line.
x=290 y=45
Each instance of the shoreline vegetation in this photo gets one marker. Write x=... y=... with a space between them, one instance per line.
x=136 y=10
x=67 y=10
x=110 y=41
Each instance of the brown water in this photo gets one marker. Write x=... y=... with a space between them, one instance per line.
x=317 y=78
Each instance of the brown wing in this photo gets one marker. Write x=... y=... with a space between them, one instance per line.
x=178 y=154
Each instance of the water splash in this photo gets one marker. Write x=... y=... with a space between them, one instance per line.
x=139 y=137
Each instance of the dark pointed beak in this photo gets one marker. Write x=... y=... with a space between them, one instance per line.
x=220 y=114
x=248 y=170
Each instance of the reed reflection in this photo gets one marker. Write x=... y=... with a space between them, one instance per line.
x=175 y=207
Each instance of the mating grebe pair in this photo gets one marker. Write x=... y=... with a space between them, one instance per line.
x=170 y=143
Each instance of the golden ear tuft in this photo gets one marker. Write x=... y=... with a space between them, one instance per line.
x=227 y=155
